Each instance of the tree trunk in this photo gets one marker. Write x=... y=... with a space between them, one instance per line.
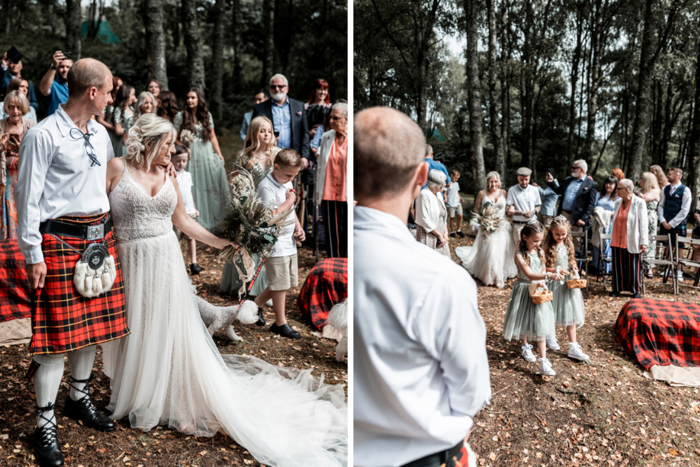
x=505 y=85
x=474 y=95
x=237 y=45
x=646 y=66
x=268 y=65
x=155 y=42
x=73 y=28
x=574 y=83
x=694 y=175
x=217 y=59
x=596 y=39
x=493 y=92
x=194 y=54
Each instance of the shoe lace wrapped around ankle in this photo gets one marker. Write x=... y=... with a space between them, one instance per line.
x=84 y=390
x=49 y=430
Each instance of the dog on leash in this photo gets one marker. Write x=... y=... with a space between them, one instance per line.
x=222 y=317
x=338 y=318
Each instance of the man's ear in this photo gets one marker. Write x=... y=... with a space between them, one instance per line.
x=92 y=93
x=422 y=174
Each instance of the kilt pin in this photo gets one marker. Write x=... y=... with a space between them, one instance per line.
x=62 y=319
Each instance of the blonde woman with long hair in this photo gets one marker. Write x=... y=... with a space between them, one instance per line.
x=259 y=151
x=650 y=192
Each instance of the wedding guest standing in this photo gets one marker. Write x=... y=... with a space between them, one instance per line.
x=651 y=194
x=660 y=176
x=211 y=190
x=578 y=194
x=431 y=214
x=12 y=130
x=259 y=97
x=549 y=198
x=317 y=107
x=606 y=201
x=21 y=85
x=522 y=203
x=673 y=209
x=630 y=237
x=331 y=183
x=54 y=84
x=123 y=116
x=420 y=367
x=107 y=119
x=12 y=70
x=146 y=104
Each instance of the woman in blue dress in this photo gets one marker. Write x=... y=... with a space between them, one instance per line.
x=606 y=199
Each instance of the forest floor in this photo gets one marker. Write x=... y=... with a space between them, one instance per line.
x=161 y=446
x=600 y=413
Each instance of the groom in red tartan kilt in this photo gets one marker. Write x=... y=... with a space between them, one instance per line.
x=64 y=233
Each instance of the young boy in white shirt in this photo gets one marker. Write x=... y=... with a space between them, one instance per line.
x=275 y=190
x=184 y=182
x=454 y=204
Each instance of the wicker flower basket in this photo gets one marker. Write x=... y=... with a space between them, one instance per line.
x=541 y=295
x=576 y=283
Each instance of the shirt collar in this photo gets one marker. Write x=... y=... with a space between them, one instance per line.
x=64 y=122
x=676 y=185
x=275 y=182
x=365 y=218
x=275 y=104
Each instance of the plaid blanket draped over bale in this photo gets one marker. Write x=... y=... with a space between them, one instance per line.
x=325 y=286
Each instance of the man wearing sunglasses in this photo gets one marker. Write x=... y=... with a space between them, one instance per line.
x=288 y=118
x=578 y=200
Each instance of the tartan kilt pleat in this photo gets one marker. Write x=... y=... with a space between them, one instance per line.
x=62 y=319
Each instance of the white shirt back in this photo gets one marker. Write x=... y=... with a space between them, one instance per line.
x=184 y=183
x=57 y=178
x=273 y=194
x=420 y=366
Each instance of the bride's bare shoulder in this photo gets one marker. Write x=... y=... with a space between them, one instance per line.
x=115 y=169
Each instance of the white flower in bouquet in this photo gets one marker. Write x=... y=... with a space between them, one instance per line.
x=186 y=138
x=489 y=220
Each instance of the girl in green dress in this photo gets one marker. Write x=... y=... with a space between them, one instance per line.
x=257 y=157
x=210 y=185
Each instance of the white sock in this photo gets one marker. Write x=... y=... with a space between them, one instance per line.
x=47 y=380
x=80 y=362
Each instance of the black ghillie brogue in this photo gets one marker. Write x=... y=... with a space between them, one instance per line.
x=48 y=451
x=83 y=410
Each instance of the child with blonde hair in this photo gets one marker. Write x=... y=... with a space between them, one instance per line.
x=524 y=319
x=569 y=309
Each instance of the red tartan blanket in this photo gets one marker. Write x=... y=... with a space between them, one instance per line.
x=657 y=332
x=325 y=286
x=15 y=300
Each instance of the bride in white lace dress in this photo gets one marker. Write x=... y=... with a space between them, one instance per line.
x=168 y=371
x=491 y=258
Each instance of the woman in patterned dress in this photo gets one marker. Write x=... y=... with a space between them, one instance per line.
x=257 y=157
x=123 y=116
x=210 y=184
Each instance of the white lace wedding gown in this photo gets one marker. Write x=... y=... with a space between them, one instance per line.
x=491 y=258
x=168 y=371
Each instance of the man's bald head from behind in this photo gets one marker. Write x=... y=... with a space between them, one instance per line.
x=388 y=149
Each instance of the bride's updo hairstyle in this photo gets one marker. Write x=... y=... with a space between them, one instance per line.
x=149 y=131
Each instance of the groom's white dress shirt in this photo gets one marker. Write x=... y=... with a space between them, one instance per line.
x=420 y=366
x=56 y=177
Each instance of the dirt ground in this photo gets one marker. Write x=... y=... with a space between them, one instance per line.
x=161 y=446
x=598 y=414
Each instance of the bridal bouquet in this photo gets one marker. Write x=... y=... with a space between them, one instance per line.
x=489 y=219
x=186 y=138
x=249 y=223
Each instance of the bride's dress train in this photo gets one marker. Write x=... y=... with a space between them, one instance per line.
x=168 y=371
x=491 y=258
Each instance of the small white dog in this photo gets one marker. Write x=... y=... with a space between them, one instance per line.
x=338 y=318
x=220 y=317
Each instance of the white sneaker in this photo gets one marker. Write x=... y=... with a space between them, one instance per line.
x=546 y=367
x=680 y=276
x=576 y=353
x=527 y=353
x=552 y=343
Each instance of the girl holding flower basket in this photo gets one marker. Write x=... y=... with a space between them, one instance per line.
x=530 y=315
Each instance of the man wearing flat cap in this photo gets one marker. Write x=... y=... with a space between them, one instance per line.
x=11 y=69
x=522 y=203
